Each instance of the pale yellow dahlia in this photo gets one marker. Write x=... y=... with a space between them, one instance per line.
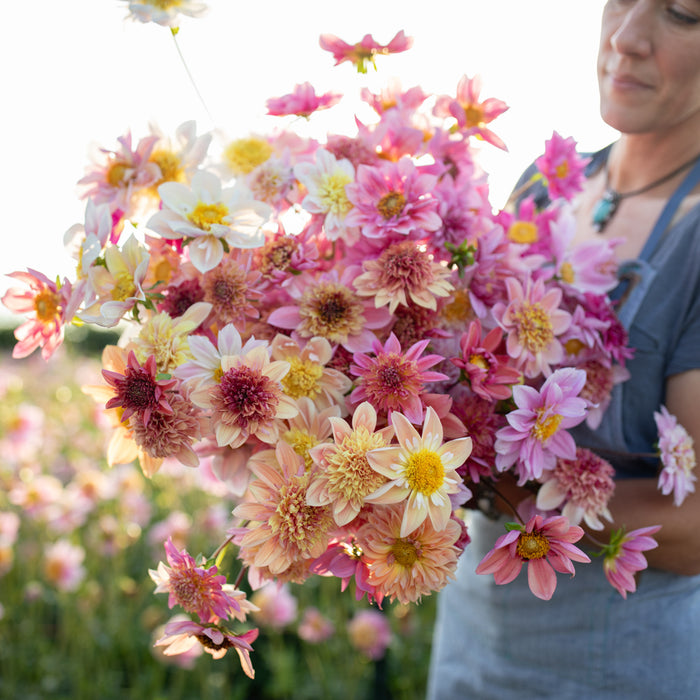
x=308 y=374
x=345 y=477
x=420 y=471
x=167 y=338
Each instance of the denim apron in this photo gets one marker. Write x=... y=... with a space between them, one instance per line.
x=501 y=642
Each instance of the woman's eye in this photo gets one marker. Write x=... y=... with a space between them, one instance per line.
x=682 y=17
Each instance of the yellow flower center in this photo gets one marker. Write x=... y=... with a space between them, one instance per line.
x=405 y=553
x=459 y=308
x=46 y=305
x=532 y=545
x=566 y=272
x=424 y=471
x=331 y=191
x=534 y=327
x=562 y=170
x=303 y=378
x=474 y=115
x=244 y=155
x=204 y=216
x=169 y=164
x=545 y=426
x=349 y=472
x=117 y=173
x=164 y=4
x=124 y=287
x=522 y=232
x=391 y=204
x=574 y=346
x=301 y=442
x=479 y=361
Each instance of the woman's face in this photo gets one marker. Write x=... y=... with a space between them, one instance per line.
x=649 y=64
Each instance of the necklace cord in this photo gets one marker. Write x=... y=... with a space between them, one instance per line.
x=650 y=186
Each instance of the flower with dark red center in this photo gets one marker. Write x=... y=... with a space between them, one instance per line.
x=138 y=391
x=393 y=380
x=177 y=298
x=197 y=590
x=248 y=400
x=169 y=434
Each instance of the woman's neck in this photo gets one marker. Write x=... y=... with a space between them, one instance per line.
x=638 y=159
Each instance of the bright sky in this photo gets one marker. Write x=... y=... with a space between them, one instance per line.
x=79 y=74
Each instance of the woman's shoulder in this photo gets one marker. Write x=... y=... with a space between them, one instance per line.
x=528 y=185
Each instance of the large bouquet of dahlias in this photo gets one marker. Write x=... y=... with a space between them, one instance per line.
x=353 y=339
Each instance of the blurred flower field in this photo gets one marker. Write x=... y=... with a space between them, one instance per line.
x=78 y=616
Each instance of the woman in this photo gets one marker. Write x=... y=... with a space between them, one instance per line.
x=500 y=641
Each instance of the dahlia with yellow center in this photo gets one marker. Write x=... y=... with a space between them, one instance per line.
x=242 y=156
x=166 y=338
x=536 y=434
x=310 y=427
x=309 y=376
x=406 y=567
x=421 y=471
x=345 y=477
x=545 y=544
x=325 y=180
x=117 y=286
x=533 y=323
x=284 y=530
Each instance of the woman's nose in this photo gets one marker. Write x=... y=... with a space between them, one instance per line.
x=634 y=33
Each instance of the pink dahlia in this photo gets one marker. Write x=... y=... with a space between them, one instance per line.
x=406 y=566
x=584 y=485
x=283 y=529
x=118 y=176
x=363 y=51
x=489 y=374
x=49 y=307
x=247 y=401
x=138 y=390
x=545 y=544
x=303 y=102
x=533 y=321
x=624 y=558
x=472 y=115
x=197 y=590
x=677 y=457
x=328 y=307
x=393 y=199
x=346 y=560
x=536 y=434
x=370 y=633
x=393 y=380
x=404 y=272
x=180 y=636
x=562 y=167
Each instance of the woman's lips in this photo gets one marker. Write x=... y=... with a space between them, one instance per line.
x=627 y=81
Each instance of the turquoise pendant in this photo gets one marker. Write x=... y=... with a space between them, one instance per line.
x=605 y=209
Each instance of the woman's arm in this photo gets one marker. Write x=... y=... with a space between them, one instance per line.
x=639 y=503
